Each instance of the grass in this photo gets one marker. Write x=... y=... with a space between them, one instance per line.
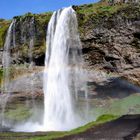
x=99 y=8
x=93 y=13
x=102 y=13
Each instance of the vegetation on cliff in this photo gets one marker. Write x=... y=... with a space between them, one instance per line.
x=92 y=15
x=88 y=14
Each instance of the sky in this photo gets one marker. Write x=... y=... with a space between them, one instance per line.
x=11 y=8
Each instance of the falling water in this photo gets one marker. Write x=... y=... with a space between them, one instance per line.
x=7 y=58
x=62 y=74
x=6 y=75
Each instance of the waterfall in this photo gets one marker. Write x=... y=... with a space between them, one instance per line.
x=6 y=57
x=6 y=75
x=63 y=77
x=62 y=74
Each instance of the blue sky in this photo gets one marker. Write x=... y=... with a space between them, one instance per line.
x=10 y=8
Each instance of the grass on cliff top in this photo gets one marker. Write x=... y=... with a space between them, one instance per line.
x=93 y=14
x=100 y=7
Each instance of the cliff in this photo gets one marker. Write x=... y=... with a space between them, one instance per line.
x=110 y=35
x=111 y=38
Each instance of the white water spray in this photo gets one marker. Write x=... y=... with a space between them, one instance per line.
x=6 y=73
x=6 y=57
x=62 y=71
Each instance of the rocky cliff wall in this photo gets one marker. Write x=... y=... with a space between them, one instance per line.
x=111 y=41
x=110 y=36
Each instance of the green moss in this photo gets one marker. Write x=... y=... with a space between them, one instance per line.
x=105 y=117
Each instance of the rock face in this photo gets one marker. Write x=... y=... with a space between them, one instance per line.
x=114 y=44
x=111 y=42
x=28 y=38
